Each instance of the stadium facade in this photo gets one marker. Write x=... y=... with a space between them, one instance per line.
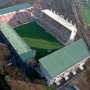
x=62 y=29
x=16 y=15
x=66 y=30
x=64 y=64
x=58 y=67
x=21 y=53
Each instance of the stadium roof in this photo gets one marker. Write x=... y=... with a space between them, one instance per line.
x=61 y=60
x=14 y=8
x=59 y=19
x=18 y=44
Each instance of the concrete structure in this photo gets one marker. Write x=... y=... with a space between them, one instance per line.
x=62 y=26
x=21 y=53
x=64 y=64
x=16 y=13
x=58 y=67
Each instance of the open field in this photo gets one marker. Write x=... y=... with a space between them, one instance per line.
x=36 y=37
x=86 y=13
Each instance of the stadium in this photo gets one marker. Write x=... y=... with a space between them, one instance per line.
x=43 y=40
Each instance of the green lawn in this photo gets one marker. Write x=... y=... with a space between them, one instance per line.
x=86 y=13
x=36 y=37
x=48 y=87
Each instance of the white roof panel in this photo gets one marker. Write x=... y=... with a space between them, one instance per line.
x=59 y=19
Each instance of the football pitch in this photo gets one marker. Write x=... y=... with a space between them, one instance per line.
x=86 y=13
x=39 y=40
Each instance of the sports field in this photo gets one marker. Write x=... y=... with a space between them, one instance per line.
x=86 y=13
x=36 y=37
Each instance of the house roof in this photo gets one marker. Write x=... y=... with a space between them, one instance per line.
x=63 y=59
x=14 y=8
x=18 y=44
x=60 y=20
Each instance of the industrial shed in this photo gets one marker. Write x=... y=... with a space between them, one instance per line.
x=60 y=65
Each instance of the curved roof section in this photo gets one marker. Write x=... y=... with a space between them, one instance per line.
x=59 y=19
x=18 y=44
x=61 y=60
x=14 y=8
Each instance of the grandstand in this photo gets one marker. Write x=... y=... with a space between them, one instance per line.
x=20 y=51
x=63 y=65
x=16 y=15
x=66 y=31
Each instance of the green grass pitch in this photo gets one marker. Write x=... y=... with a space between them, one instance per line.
x=86 y=13
x=36 y=37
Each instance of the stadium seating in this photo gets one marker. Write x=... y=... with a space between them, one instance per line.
x=17 y=16
x=42 y=24
x=16 y=23
x=61 y=29
x=27 y=14
x=46 y=18
x=55 y=34
x=5 y=18
x=64 y=41
x=65 y=31
x=21 y=21
x=14 y=17
x=22 y=15
x=25 y=20
x=57 y=30
x=45 y=26
x=12 y=24
x=1 y=20
x=9 y=17
x=61 y=39
x=50 y=25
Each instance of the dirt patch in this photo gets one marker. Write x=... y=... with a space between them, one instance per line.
x=84 y=83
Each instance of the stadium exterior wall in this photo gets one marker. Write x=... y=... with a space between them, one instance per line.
x=51 y=80
x=73 y=30
x=46 y=75
x=72 y=37
x=15 y=57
